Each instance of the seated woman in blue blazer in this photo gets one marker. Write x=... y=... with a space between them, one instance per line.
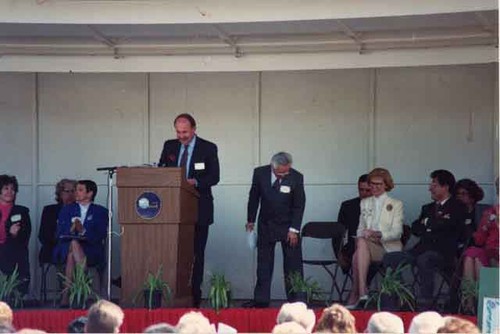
x=81 y=231
x=379 y=231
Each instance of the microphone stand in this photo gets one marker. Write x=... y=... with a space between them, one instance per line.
x=110 y=172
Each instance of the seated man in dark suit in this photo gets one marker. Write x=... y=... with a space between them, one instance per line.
x=81 y=231
x=439 y=227
x=349 y=217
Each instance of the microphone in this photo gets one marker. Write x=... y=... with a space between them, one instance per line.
x=108 y=168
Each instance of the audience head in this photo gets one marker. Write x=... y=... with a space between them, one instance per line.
x=385 y=322
x=299 y=313
x=86 y=190
x=195 y=323
x=30 y=331
x=8 y=189
x=104 y=317
x=380 y=181
x=336 y=319
x=426 y=322
x=6 y=315
x=468 y=192
x=281 y=163
x=364 y=189
x=289 y=328
x=77 y=325
x=442 y=184
x=457 y=325
x=65 y=191
x=185 y=128
x=161 y=327
x=6 y=328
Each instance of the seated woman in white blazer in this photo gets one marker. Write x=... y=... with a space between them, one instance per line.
x=379 y=231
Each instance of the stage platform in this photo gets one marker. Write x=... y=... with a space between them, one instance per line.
x=136 y=320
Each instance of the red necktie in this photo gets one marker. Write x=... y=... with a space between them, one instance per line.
x=184 y=157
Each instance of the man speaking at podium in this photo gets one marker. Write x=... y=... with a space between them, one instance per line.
x=199 y=157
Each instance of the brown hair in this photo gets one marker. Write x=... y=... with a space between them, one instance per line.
x=104 y=317
x=457 y=325
x=336 y=319
x=471 y=187
x=385 y=175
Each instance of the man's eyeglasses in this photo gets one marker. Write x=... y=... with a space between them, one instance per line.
x=68 y=191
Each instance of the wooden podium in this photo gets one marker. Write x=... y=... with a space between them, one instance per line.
x=163 y=236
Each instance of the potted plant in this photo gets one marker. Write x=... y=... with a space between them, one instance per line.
x=220 y=292
x=79 y=289
x=154 y=289
x=303 y=290
x=468 y=296
x=9 y=292
x=393 y=294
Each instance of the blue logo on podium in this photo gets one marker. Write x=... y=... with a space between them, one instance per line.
x=148 y=205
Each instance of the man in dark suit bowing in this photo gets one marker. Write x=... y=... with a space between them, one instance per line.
x=439 y=227
x=200 y=159
x=279 y=190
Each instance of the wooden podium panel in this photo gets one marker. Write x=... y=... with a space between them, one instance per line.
x=166 y=239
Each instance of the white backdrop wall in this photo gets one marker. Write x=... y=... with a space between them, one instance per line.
x=337 y=124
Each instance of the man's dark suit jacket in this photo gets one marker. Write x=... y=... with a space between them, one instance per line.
x=278 y=210
x=47 y=232
x=349 y=217
x=203 y=152
x=15 y=249
x=443 y=230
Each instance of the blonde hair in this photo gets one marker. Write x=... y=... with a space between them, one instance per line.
x=385 y=175
x=104 y=317
x=336 y=319
x=457 y=325
x=6 y=315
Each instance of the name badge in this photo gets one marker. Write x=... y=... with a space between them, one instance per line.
x=199 y=166
x=15 y=218
x=285 y=189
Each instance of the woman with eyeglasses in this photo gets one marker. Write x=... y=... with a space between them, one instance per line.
x=379 y=232
x=65 y=194
x=15 y=232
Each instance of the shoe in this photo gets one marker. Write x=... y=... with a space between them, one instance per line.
x=254 y=304
x=359 y=304
x=117 y=282
x=196 y=303
x=351 y=306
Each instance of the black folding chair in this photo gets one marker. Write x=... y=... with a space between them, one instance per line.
x=326 y=230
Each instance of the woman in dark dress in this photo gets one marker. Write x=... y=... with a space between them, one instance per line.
x=15 y=231
x=65 y=194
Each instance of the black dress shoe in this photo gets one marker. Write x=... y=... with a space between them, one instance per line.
x=117 y=282
x=254 y=304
